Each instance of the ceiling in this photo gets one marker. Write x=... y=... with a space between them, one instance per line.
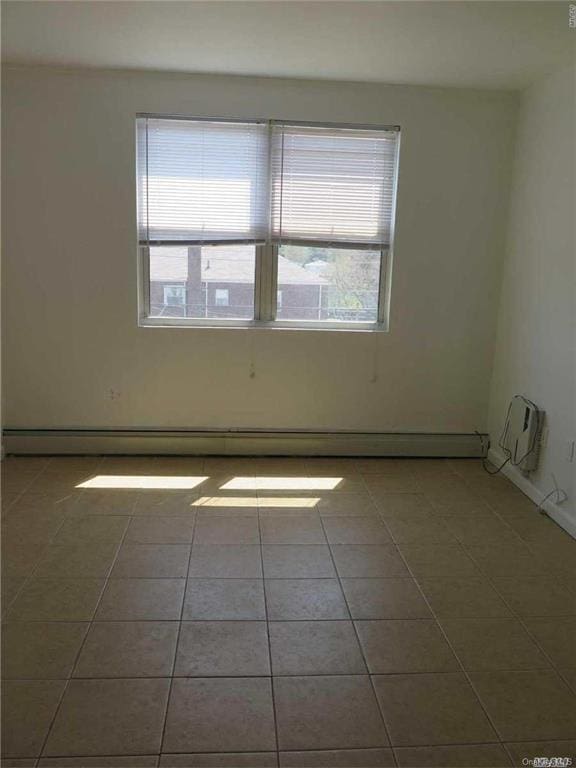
x=471 y=44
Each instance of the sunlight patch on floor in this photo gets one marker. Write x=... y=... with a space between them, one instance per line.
x=143 y=482
x=281 y=483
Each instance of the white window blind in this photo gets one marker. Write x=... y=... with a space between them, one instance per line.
x=217 y=182
x=333 y=185
x=202 y=181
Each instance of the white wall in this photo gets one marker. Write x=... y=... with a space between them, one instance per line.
x=70 y=265
x=536 y=340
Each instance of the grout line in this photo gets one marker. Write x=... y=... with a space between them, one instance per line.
x=274 y=713
x=176 y=649
x=361 y=648
x=80 y=649
x=464 y=671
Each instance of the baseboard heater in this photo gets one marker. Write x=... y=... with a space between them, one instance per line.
x=241 y=442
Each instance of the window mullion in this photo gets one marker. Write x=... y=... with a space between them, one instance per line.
x=144 y=287
x=267 y=281
x=384 y=285
x=273 y=259
x=258 y=280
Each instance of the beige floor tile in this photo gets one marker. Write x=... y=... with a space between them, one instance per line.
x=292 y=530
x=438 y=561
x=419 y=528
x=348 y=482
x=537 y=527
x=220 y=715
x=42 y=650
x=510 y=504
x=297 y=562
x=556 y=559
x=19 y=762
x=223 y=649
x=382 y=466
x=463 y=598
x=403 y=505
x=92 y=502
x=167 y=503
x=327 y=713
x=128 y=465
x=28 y=707
x=312 y=599
x=293 y=510
x=315 y=648
x=481 y=530
x=221 y=599
x=92 y=528
x=338 y=758
x=403 y=646
x=141 y=600
x=115 y=761
x=535 y=705
x=569 y=675
x=385 y=599
x=19 y=559
x=152 y=561
x=227 y=530
x=214 y=511
x=364 y=560
x=164 y=530
x=221 y=760
x=512 y=559
x=92 y=560
x=524 y=753
x=380 y=485
x=493 y=644
x=50 y=505
x=57 y=600
x=29 y=527
x=226 y=562
x=80 y=464
x=533 y=596
x=346 y=505
x=355 y=530
x=110 y=717
x=180 y=465
x=11 y=585
x=425 y=710
x=128 y=649
x=461 y=756
x=448 y=504
x=557 y=638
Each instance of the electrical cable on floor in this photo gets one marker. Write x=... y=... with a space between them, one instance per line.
x=561 y=496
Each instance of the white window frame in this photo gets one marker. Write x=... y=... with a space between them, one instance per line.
x=266 y=281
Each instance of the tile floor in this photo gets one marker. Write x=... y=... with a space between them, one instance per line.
x=282 y=612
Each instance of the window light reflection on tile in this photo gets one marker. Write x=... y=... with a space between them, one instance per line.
x=143 y=482
x=255 y=501
x=281 y=483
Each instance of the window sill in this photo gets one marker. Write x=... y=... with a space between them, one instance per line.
x=276 y=325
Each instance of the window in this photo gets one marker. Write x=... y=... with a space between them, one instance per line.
x=221 y=297
x=174 y=295
x=295 y=220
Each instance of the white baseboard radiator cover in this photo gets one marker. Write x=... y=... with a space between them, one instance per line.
x=241 y=443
